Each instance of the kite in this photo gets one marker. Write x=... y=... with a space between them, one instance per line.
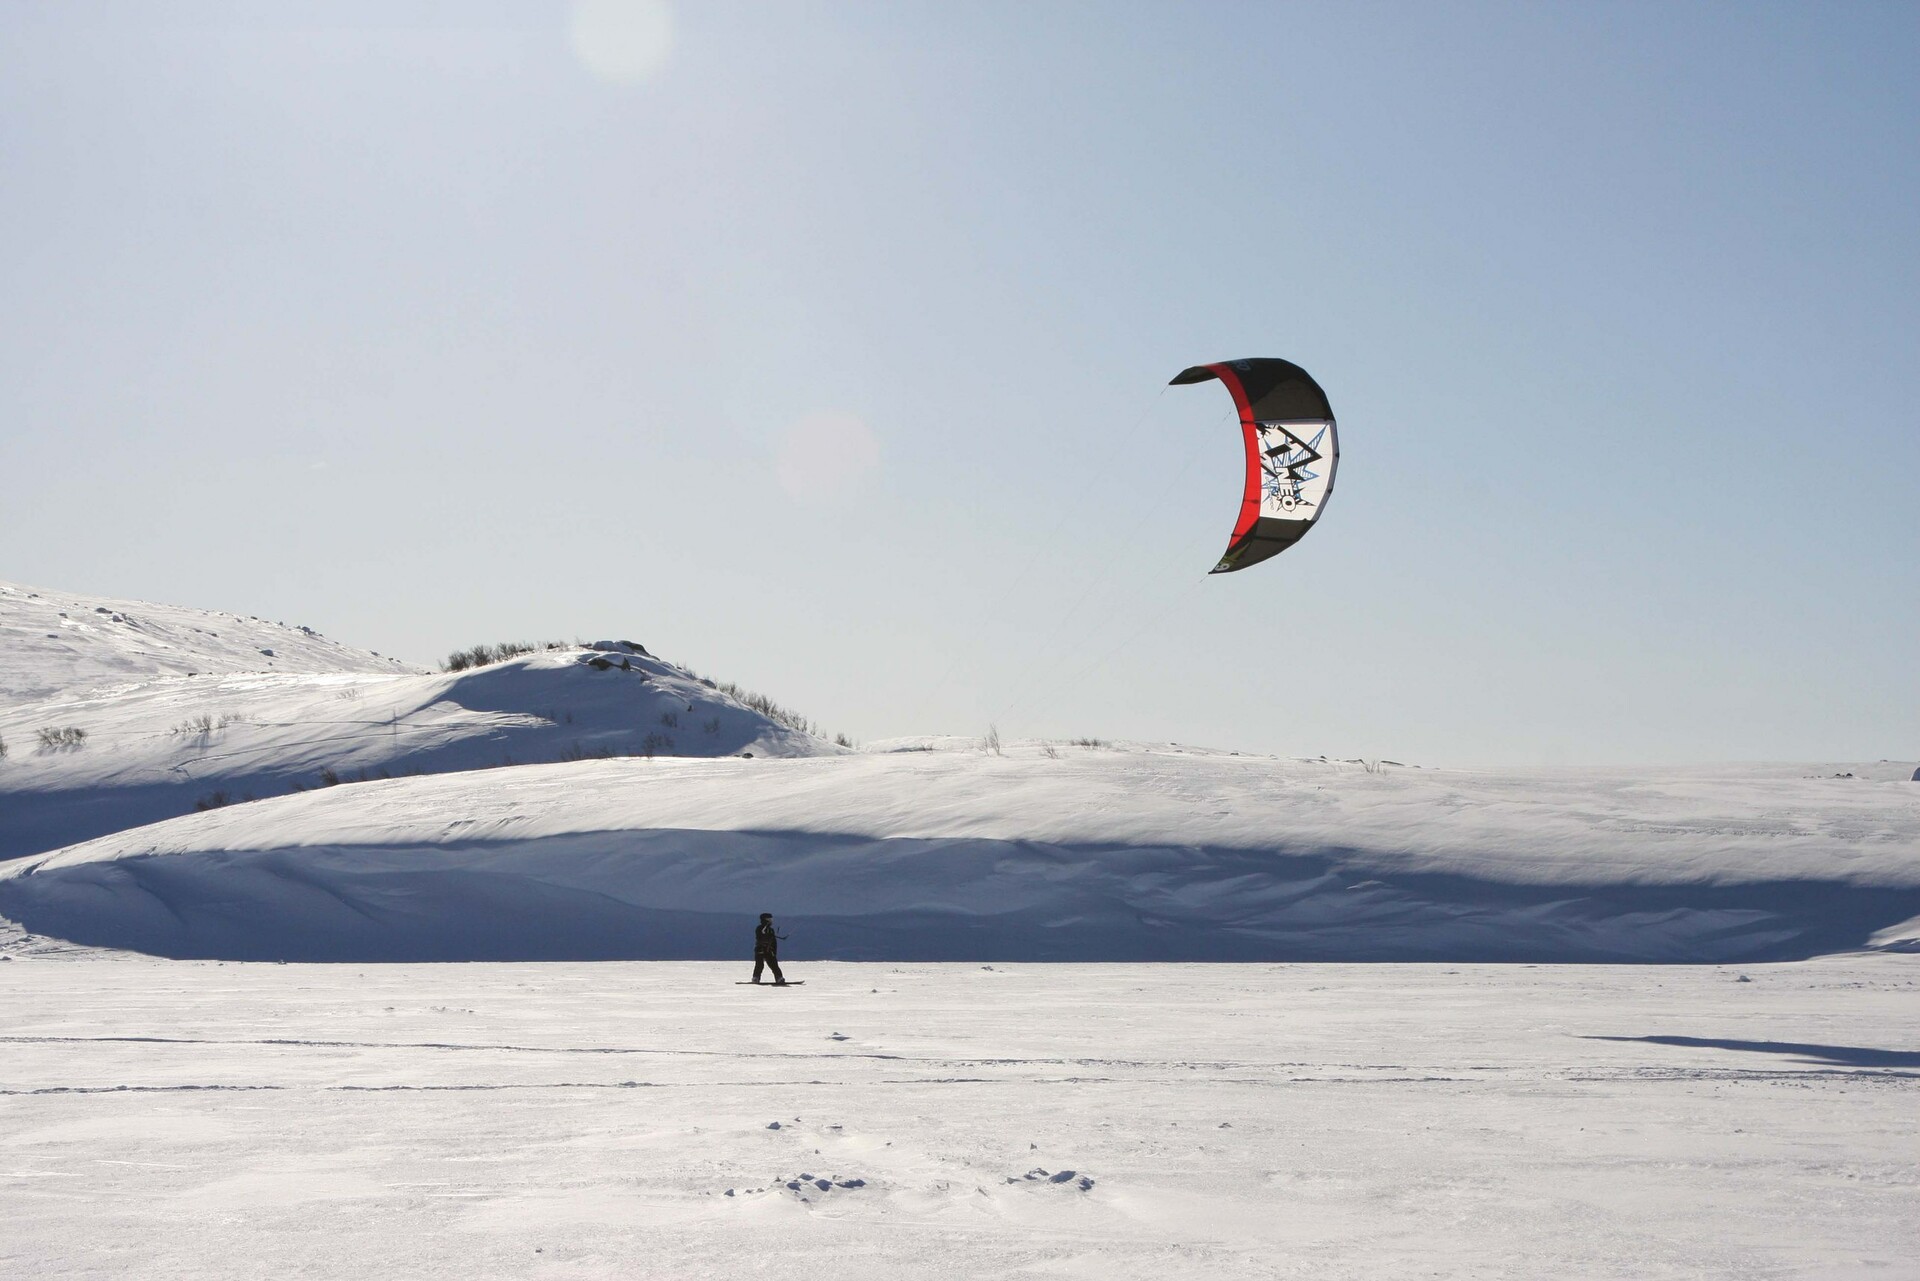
x=1292 y=450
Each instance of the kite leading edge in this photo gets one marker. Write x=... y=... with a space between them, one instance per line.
x=1292 y=451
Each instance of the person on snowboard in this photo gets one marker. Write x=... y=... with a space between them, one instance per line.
x=766 y=950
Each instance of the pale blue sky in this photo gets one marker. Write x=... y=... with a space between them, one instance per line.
x=828 y=357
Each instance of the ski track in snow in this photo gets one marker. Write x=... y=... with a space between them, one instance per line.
x=1315 y=1121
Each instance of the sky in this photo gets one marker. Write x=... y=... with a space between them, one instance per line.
x=824 y=348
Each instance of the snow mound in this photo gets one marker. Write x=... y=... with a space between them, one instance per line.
x=1121 y=853
x=159 y=748
x=54 y=643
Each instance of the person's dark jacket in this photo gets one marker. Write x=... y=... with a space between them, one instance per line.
x=765 y=941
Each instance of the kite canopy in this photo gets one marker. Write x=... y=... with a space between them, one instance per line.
x=1292 y=450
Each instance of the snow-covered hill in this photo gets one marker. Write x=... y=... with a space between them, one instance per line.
x=60 y=643
x=160 y=748
x=600 y=802
x=1046 y=853
x=155 y=710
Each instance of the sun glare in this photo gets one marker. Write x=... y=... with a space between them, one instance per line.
x=622 y=41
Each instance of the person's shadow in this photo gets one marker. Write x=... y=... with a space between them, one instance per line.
x=1837 y=1055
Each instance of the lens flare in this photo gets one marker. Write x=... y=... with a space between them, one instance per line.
x=622 y=41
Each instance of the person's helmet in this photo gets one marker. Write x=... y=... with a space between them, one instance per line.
x=766 y=916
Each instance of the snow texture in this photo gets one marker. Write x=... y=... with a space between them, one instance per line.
x=668 y=812
x=1124 y=853
x=57 y=643
x=1323 y=1122
x=186 y=708
x=221 y=1119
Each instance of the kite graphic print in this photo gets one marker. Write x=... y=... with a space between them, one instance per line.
x=1292 y=449
x=1286 y=461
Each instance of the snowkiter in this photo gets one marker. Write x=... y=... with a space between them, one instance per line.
x=766 y=950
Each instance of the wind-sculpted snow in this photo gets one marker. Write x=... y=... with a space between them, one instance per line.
x=55 y=643
x=230 y=1122
x=159 y=748
x=1101 y=855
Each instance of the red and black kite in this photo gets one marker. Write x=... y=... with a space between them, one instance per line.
x=1292 y=450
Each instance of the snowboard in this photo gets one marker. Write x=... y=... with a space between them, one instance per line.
x=788 y=983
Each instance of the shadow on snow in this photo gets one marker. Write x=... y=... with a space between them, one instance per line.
x=1835 y=1055
x=670 y=894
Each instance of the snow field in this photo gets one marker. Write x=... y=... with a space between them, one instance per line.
x=668 y=809
x=1127 y=853
x=559 y=1120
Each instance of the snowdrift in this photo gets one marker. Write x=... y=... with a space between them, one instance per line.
x=1043 y=854
x=195 y=721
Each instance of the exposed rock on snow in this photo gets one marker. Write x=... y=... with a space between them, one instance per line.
x=1038 y=1175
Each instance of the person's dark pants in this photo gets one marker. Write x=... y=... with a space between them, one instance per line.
x=767 y=959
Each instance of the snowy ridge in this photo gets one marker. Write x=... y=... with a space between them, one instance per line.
x=178 y=708
x=55 y=643
x=158 y=748
x=1129 y=853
